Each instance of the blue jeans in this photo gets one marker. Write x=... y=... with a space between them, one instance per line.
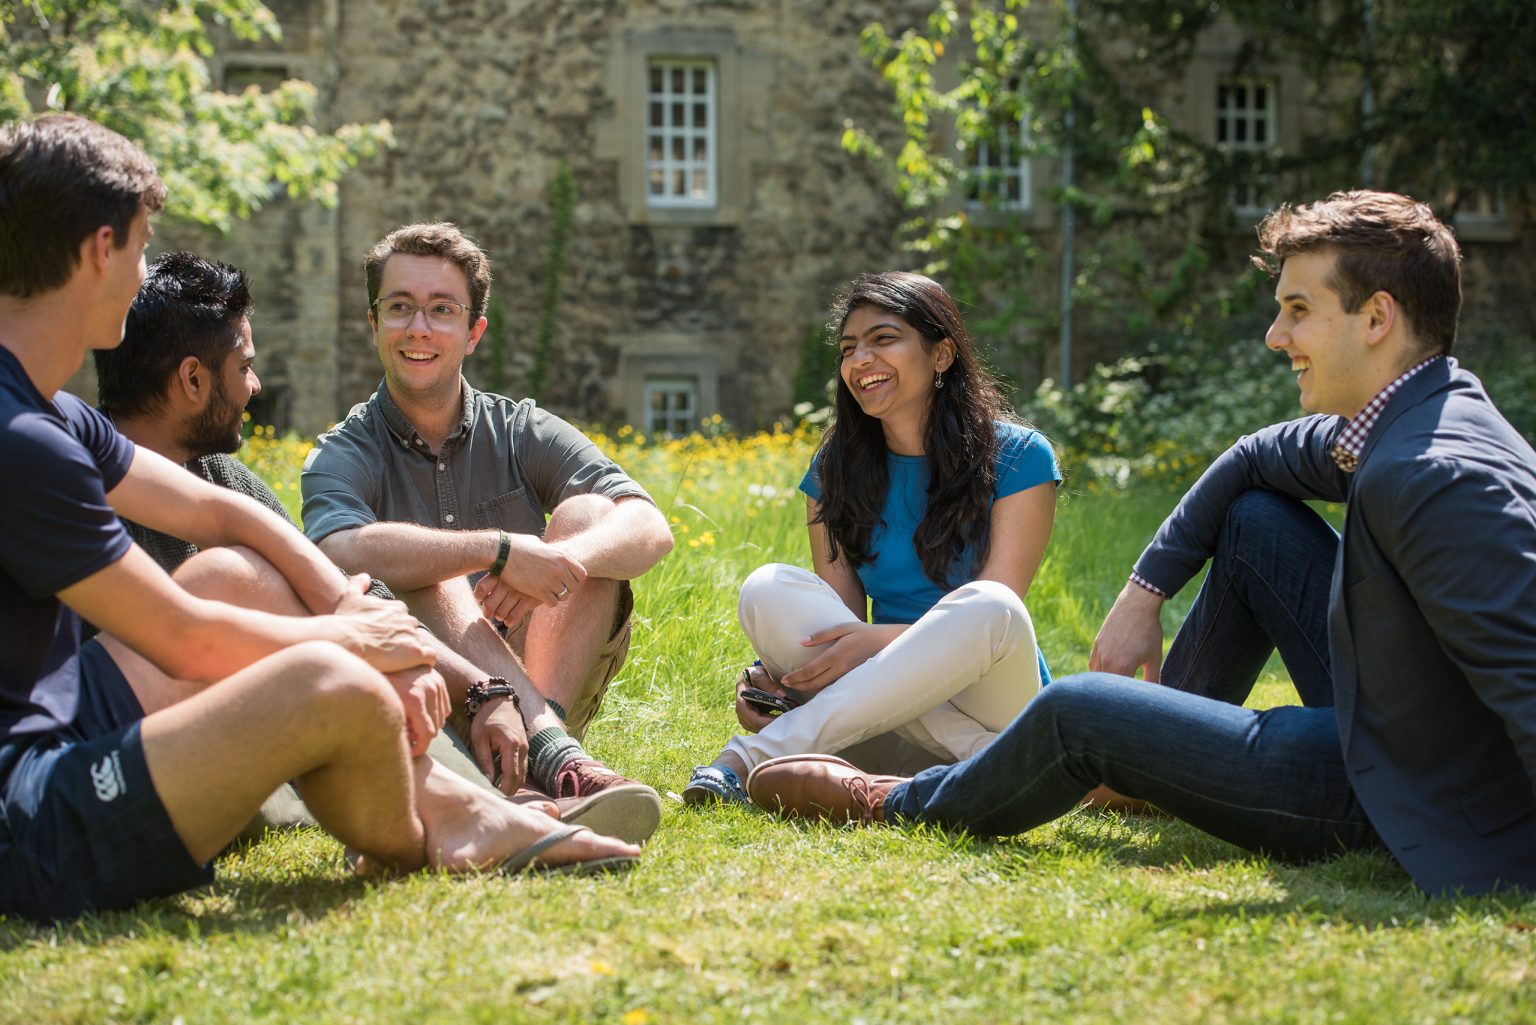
x=1270 y=781
x=1267 y=588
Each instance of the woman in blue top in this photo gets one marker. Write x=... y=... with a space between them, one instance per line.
x=928 y=503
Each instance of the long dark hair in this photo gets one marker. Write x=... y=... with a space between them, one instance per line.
x=959 y=439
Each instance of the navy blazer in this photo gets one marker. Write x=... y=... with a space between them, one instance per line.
x=1432 y=616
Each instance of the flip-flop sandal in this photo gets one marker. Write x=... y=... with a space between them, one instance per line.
x=522 y=862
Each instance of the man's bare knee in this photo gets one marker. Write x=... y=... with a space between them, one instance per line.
x=576 y=514
x=334 y=688
x=238 y=576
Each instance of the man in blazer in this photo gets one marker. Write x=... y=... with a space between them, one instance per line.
x=1411 y=639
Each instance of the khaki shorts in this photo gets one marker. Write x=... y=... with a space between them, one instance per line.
x=610 y=659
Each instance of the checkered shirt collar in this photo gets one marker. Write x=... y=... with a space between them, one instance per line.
x=1351 y=444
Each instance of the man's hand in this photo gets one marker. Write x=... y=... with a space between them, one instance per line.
x=537 y=573
x=424 y=696
x=382 y=633
x=498 y=733
x=1131 y=637
x=850 y=645
x=750 y=717
x=502 y=604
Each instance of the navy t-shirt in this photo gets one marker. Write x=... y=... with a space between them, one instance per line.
x=58 y=460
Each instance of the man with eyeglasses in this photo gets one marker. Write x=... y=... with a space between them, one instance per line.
x=442 y=491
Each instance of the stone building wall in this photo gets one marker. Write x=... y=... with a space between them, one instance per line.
x=487 y=97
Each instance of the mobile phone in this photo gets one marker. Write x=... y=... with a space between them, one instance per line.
x=765 y=702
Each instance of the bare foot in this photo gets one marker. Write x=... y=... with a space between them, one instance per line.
x=468 y=828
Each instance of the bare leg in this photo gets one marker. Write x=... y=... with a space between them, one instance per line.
x=237 y=576
x=313 y=713
x=564 y=641
x=450 y=611
x=564 y=645
x=322 y=716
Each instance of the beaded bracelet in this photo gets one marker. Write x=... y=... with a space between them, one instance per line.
x=488 y=690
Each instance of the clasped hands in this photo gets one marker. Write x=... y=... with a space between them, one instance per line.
x=537 y=573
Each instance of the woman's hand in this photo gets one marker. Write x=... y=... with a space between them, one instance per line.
x=750 y=717
x=849 y=645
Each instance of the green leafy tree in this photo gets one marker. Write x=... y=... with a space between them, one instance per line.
x=140 y=67
x=1448 y=79
x=1159 y=268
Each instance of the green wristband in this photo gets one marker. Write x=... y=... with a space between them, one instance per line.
x=503 y=549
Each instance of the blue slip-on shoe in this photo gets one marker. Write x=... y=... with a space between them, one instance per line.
x=711 y=784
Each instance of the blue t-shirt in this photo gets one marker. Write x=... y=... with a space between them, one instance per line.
x=58 y=460
x=899 y=591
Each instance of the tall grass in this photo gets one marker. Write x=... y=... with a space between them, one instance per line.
x=735 y=917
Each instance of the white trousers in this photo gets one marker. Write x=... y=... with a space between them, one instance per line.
x=948 y=685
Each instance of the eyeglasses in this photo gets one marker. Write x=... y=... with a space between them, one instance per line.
x=441 y=313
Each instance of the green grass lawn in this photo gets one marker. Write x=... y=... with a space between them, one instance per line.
x=734 y=916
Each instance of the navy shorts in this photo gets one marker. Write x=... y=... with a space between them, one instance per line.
x=82 y=828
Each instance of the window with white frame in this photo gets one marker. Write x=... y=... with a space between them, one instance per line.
x=671 y=405
x=998 y=169
x=680 y=136
x=1245 y=123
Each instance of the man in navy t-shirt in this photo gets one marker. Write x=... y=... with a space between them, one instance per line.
x=128 y=763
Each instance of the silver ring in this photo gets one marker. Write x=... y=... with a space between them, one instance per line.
x=563 y=593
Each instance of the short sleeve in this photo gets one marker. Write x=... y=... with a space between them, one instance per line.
x=810 y=484
x=56 y=528
x=560 y=462
x=339 y=481
x=1024 y=459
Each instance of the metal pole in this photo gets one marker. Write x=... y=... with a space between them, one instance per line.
x=1068 y=221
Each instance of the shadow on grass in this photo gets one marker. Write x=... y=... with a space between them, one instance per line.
x=1361 y=889
x=237 y=905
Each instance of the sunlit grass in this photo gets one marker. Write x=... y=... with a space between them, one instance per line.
x=736 y=917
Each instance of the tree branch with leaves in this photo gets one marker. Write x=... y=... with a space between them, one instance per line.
x=141 y=69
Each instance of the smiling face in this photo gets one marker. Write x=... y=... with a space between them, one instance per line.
x=422 y=362
x=1330 y=349
x=889 y=369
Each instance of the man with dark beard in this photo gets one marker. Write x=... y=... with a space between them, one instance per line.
x=181 y=380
